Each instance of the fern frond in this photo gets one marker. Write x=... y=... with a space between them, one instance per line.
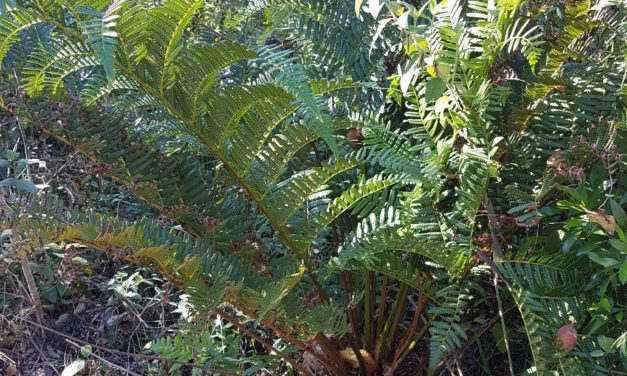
x=101 y=36
x=392 y=151
x=291 y=76
x=51 y=64
x=447 y=333
x=292 y=193
x=166 y=26
x=12 y=24
x=343 y=203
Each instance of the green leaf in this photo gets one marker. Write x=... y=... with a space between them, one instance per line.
x=74 y=368
x=45 y=270
x=11 y=155
x=622 y=273
x=604 y=261
x=618 y=213
x=619 y=244
x=49 y=292
x=620 y=233
x=499 y=338
x=26 y=186
x=295 y=81
x=605 y=343
x=21 y=184
x=569 y=241
x=86 y=351
x=435 y=89
x=253 y=370
x=573 y=193
x=443 y=71
x=605 y=304
x=10 y=29
x=62 y=289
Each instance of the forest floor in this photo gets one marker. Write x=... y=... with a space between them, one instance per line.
x=99 y=314
x=98 y=310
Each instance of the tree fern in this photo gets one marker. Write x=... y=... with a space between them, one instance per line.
x=216 y=135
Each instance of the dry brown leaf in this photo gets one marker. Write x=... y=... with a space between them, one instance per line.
x=349 y=356
x=354 y=136
x=311 y=363
x=607 y=222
